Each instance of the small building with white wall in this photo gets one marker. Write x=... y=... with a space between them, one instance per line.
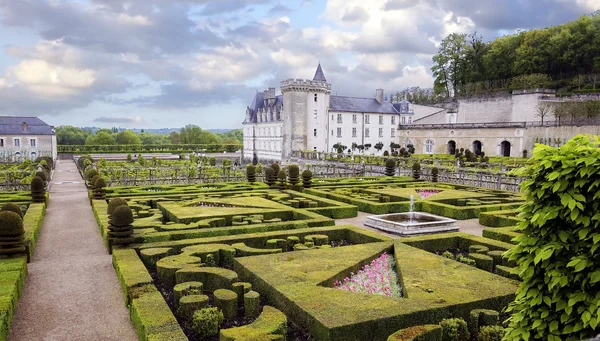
x=26 y=138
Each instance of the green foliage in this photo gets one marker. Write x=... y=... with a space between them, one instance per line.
x=251 y=173
x=212 y=161
x=11 y=224
x=434 y=174
x=207 y=321
x=114 y=203
x=390 y=167
x=491 y=333
x=307 y=178
x=454 y=329
x=99 y=183
x=12 y=208
x=127 y=137
x=282 y=179
x=122 y=216
x=557 y=254
x=270 y=176
x=276 y=168
x=38 y=189
x=42 y=175
x=93 y=181
x=90 y=173
x=416 y=170
x=293 y=174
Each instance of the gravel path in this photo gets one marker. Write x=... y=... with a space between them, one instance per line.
x=71 y=291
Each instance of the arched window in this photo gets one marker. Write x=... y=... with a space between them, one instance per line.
x=505 y=148
x=451 y=147
x=477 y=147
x=429 y=147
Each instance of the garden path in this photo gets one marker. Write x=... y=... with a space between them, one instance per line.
x=71 y=291
x=470 y=226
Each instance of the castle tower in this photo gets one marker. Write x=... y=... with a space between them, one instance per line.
x=305 y=123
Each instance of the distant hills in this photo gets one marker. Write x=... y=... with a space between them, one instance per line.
x=163 y=131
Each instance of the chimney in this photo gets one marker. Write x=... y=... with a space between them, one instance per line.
x=271 y=93
x=24 y=126
x=379 y=95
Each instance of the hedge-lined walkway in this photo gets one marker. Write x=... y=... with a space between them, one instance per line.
x=71 y=291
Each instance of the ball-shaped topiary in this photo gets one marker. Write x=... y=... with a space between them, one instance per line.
x=90 y=173
x=434 y=174
x=93 y=181
x=270 y=176
x=10 y=207
x=390 y=167
x=282 y=179
x=42 y=175
x=251 y=173
x=293 y=174
x=114 y=203
x=122 y=216
x=38 y=189
x=207 y=321
x=11 y=224
x=386 y=153
x=306 y=178
x=416 y=170
x=99 y=185
x=276 y=168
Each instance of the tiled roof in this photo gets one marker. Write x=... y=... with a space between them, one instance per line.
x=319 y=75
x=13 y=125
x=362 y=105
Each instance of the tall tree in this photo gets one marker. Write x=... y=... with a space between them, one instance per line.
x=127 y=137
x=449 y=64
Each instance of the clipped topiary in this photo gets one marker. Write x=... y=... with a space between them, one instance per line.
x=282 y=183
x=434 y=174
x=275 y=167
x=557 y=253
x=270 y=177
x=491 y=333
x=251 y=173
x=10 y=207
x=11 y=233
x=90 y=173
x=207 y=321
x=212 y=161
x=38 y=189
x=307 y=178
x=390 y=167
x=114 y=203
x=120 y=228
x=42 y=175
x=428 y=332
x=454 y=329
x=99 y=185
x=293 y=174
x=93 y=181
x=416 y=171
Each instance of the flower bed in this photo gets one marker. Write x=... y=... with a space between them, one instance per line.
x=378 y=278
x=425 y=193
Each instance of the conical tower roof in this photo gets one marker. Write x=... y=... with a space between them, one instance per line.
x=319 y=76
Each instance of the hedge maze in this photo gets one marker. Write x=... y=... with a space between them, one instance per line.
x=246 y=262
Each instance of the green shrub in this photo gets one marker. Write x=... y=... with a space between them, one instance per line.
x=212 y=161
x=434 y=174
x=479 y=318
x=12 y=208
x=557 y=253
x=416 y=171
x=93 y=181
x=491 y=333
x=42 y=175
x=227 y=301
x=90 y=173
x=99 y=185
x=307 y=178
x=390 y=167
x=448 y=254
x=293 y=174
x=11 y=224
x=276 y=168
x=38 y=189
x=251 y=173
x=270 y=176
x=207 y=321
x=428 y=332
x=114 y=203
x=454 y=329
x=282 y=183
x=122 y=216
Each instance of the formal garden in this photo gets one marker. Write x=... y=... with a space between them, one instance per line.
x=263 y=258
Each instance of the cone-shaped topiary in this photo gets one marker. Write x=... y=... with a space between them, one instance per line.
x=12 y=208
x=99 y=185
x=307 y=178
x=270 y=176
x=293 y=174
x=251 y=173
x=114 y=203
x=282 y=183
x=42 y=175
x=416 y=170
x=434 y=174
x=120 y=228
x=11 y=233
x=390 y=167
x=38 y=189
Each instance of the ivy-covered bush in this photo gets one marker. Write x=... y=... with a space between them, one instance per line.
x=416 y=170
x=207 y=321
x=454 y=329
x=434 y=174
x=12 y=208
x=558 y=254
x=38 y=189
x=251 y=173
x=306 y=178
x=390 y=167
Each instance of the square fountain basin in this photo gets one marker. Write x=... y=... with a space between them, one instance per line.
x=401 y=224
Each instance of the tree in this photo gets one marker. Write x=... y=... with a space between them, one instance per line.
x=70 y=135
x=128 y=137
x=339 y=147
x=594 y=78
x=379 y=146
x=449 y=64
x=591 y=109
x=543 y=109
x=578 y=81
x=103 y=138
x=175 y=137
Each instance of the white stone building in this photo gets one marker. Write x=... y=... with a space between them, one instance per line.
x=26 y=137
x=307 y=117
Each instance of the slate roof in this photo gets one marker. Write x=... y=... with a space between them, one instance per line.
x=403 y=107
x=356 y=104
x=13 y=125
x=319 y=75
x=258 y=103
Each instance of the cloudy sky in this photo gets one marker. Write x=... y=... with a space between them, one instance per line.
x=167 y=63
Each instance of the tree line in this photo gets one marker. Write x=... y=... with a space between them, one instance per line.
x=564 y=57
x=190 y=134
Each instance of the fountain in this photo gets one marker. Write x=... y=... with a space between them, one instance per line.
x=411 y=223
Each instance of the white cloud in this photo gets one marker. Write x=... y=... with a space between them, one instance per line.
x=51 y=80
x=134 y=20
x=457 y=24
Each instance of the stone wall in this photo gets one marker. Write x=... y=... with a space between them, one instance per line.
x=497 y=108
x=556 y=136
